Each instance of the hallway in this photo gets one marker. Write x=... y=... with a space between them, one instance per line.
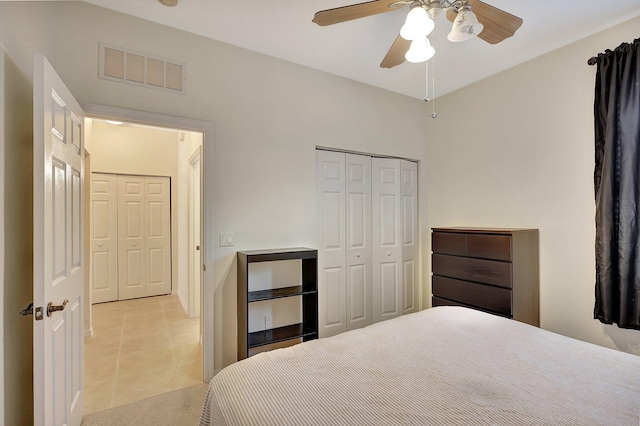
x=140 y=348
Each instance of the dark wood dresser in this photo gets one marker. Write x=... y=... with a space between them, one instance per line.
x=493 y=270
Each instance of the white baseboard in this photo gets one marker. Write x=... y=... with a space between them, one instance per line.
x=184 y=303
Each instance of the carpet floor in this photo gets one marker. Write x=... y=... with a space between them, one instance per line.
x=181 y=407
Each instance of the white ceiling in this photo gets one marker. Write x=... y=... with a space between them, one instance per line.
x=354 y=49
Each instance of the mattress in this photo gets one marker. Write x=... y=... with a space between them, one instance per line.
x=441 y=366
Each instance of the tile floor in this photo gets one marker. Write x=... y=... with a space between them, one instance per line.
x=140 y=348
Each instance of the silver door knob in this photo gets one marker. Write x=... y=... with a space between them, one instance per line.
x=388 y=253
x=357 y=254
x=51 y=308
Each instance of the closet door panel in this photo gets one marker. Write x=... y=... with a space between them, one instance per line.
x=131 y=241
x=157 y=204
x=387 y=247
x=409 y=190
x=104 y=237
x=331 y=207
x=358 y=228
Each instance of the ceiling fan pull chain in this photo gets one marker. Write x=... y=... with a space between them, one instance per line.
x=426 y=78
x=433 y=87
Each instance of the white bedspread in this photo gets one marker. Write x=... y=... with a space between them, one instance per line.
x=440 y=366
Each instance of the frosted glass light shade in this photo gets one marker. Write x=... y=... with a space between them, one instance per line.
x=465 y=26
x=417 y=25
x=420 y=51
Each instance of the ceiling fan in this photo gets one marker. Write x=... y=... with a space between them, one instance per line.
x=470 y=18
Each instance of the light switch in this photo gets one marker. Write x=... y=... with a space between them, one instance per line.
x=226 y=239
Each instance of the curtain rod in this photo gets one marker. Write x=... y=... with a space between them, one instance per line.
x=594 y=59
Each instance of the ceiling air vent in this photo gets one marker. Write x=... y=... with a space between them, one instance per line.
x=140 y=69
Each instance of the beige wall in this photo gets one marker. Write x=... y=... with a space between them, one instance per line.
x=16 y=232
x=268 y=117
x=517 y=150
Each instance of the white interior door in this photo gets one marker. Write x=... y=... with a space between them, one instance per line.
x=330 y=207
x=387 y=246
x=409 y=207
x=195 y=261
x=157 y=217
x=358 y=234
x=131 y=242
x=104 y=237
x=58 y=179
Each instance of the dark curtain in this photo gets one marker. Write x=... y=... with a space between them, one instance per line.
x=617 y=186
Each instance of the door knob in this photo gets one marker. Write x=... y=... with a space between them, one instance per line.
x=51 y=308
x=99 y=244
x=134 y=244
x=388 y=253
x=357 y=254
x=29 y=310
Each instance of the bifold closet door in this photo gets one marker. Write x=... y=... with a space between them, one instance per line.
x=367 y=225
x=144 y=241
x=131 y=241
x=409 y=217
x=358 y=241
x=158 y=235
x=104 y=237
x=330 y=207
x=387 y=239
x=344 y=223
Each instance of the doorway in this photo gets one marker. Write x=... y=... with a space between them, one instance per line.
x=150 y=345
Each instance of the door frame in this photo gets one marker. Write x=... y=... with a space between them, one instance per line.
x=207 y=239
x=194 y=200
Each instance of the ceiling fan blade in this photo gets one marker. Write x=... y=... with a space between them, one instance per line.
x=355 y=11
x=498 y=24
x=395 y=55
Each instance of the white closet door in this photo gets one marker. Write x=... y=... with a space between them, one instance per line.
x=157 y=220
x=131 y=241
x=409 y=188
x=330 y=207
x=104 y=237
x=387 y=239
x=358 y=233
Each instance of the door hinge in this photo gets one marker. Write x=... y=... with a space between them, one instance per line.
x=29 y=311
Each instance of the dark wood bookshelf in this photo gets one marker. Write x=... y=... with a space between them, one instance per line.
x=307 y=329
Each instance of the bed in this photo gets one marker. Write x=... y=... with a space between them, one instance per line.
x=441 y=366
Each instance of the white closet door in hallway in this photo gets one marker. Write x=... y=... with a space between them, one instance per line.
x=367 y=232
x=104 y=237
x=131 y=223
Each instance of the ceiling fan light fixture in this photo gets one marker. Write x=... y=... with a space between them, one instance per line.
x=433 y=9
x=418 y=24
x=420 y=51
x=465 y=26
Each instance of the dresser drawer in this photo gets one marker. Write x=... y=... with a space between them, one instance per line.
x=468 y=269
x=484 y=246
x=485 y=297
x=449 y=243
